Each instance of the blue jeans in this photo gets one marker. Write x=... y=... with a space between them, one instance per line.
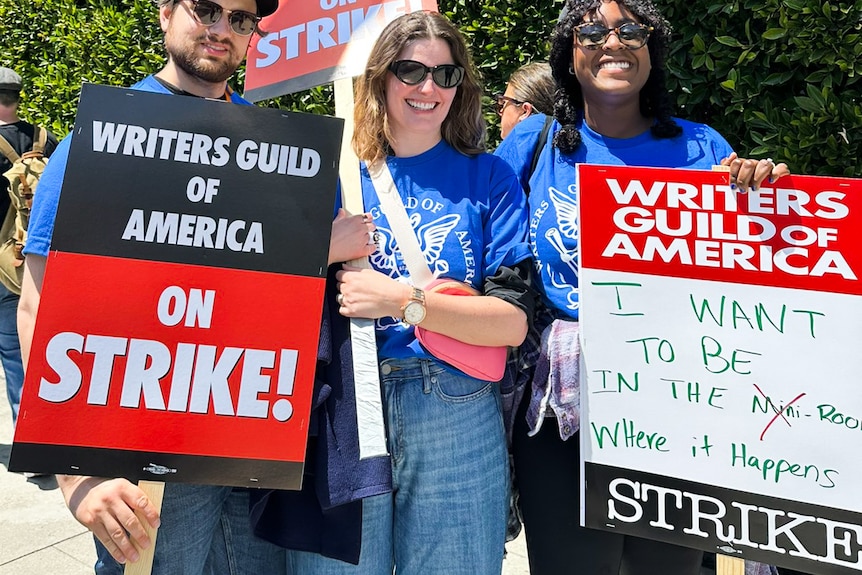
x=10 y=349
x=447 y=513
x=205 y=531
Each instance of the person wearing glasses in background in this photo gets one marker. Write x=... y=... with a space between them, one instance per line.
x=530 y=90
x=612 y=108
x=204 y=529
x=418 y=109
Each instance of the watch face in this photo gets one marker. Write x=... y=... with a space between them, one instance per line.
x=414 y=312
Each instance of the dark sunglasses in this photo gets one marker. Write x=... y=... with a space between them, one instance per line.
x=501 y=100
x=412 y=72
x=631 y=35
x=208 y=13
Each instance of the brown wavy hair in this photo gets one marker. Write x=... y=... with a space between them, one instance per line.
x=463 y=128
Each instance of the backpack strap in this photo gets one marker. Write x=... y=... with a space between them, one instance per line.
x=40 y=138
x=537 y=151
x=8 y=151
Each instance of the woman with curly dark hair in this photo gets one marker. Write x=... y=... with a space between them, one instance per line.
x=611 y=108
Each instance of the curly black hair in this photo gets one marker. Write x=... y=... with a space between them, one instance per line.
x=569 y=100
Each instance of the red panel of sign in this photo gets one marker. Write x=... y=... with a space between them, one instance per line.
x=200 y=361
x=802 y=232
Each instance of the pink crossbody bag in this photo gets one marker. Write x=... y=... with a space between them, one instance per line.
x=480 y=361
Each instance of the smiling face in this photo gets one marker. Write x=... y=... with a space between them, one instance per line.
x=201 y=55
x=416 y=113
x=611 y=72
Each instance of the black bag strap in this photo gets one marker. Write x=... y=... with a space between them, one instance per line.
x=537 y=151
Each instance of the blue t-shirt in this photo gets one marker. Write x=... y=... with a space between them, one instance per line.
x=553 y=228
x=44 y=210
x=469 y=216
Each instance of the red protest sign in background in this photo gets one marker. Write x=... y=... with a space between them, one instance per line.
x=306 y=44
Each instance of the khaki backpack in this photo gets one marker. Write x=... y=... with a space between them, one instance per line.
x=23 y=177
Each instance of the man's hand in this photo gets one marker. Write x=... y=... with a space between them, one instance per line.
x=113 y=509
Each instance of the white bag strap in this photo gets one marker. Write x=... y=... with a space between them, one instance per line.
x=396 y=214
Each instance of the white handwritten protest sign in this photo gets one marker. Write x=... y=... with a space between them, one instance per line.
x=720 y=374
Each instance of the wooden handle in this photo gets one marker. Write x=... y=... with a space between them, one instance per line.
x=348 y=170
x=726 y=565
x=155 y=490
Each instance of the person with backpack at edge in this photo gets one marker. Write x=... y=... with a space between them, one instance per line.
x=203 y=529
x=611 y=108
x=21 y=137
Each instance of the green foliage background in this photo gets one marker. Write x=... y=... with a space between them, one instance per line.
x=777 y=78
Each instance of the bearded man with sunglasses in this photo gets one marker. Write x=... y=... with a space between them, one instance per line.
x=204 y=529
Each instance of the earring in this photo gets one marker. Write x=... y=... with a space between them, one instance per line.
x=571 y=70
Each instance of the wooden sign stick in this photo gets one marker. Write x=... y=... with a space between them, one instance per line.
x=155 y=491
x=727 y=565
x=369 y=401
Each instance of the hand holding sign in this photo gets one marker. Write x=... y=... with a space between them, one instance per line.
x=352 y=237
x=119 y=513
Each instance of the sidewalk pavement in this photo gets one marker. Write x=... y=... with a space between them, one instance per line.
x=38 y=535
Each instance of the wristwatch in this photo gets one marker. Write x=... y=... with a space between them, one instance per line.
x=413 y=312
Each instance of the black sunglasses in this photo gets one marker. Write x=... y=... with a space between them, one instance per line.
x=500 y=101
x=412 y=72
x=208 y=13
x=631 y=35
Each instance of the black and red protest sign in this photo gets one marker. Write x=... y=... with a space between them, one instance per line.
x=180 y=311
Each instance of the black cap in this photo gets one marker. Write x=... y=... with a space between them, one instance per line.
x=266 y=7
x=10 y=80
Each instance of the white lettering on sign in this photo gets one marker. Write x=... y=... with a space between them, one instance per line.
x=269 y=158
x=199 y=379
x=196 y=307
x=140 y=142
x=704 y=515
x=194 y=231
x=714 y=226
x=730 y=255
x=189 y=147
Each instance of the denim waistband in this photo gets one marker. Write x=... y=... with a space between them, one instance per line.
x=409 y=368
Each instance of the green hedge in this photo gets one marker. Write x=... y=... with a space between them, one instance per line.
x=778 y=78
